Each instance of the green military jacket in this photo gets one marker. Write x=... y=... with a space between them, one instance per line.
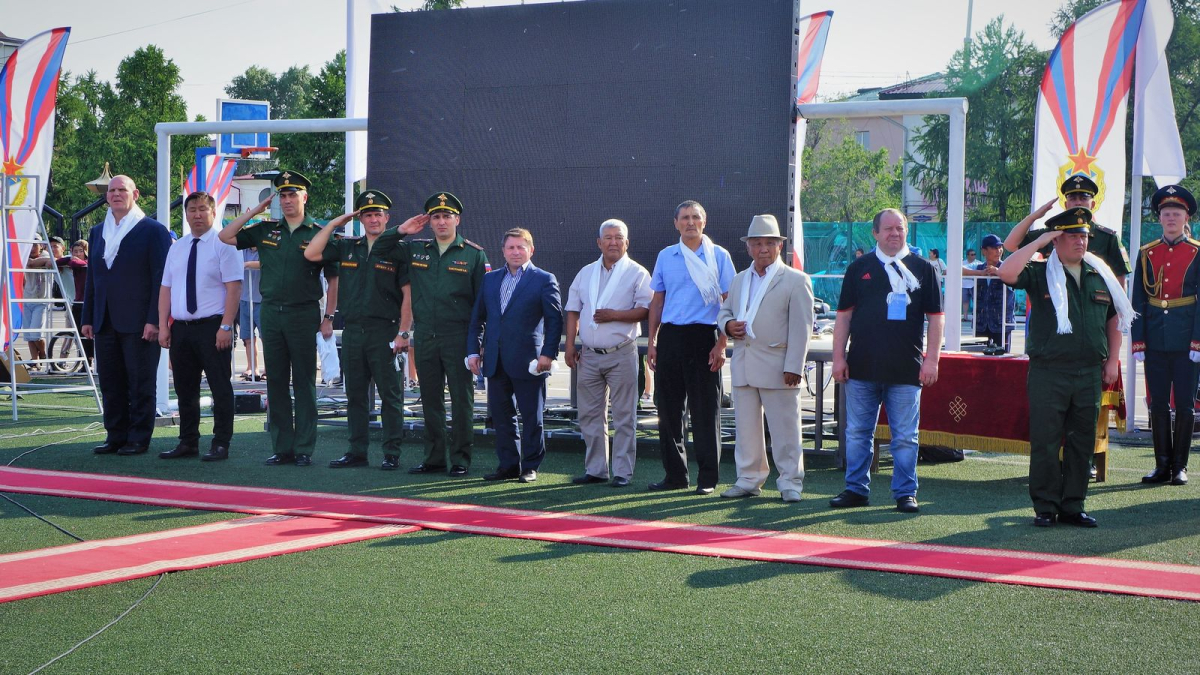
x=444 y=287
x=369 y=290
x=1089 y=306
x=1105 y=243
x=287 y=278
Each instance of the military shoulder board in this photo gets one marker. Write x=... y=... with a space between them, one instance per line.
x=472 y=244
x=1106 y=229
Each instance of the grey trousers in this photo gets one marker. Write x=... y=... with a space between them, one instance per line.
x=606 y=379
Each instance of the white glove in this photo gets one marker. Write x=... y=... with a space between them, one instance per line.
x=1139 y=356
x=1194 y=356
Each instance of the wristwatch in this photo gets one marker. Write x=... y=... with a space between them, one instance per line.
x=226 y=327
x=404 y=335
x=328 y=317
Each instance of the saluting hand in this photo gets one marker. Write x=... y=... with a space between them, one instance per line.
x=1044 y=209
x=414 y=225
x=1046 y=238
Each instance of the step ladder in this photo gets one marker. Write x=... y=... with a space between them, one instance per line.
x=18 y=194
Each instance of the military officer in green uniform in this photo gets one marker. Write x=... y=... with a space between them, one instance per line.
x=445 y=275
x=1078 y=310
x=1077 y=190
x=370 y=280
x=291 y=315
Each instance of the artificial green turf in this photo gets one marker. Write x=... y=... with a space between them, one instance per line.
x=438 y=602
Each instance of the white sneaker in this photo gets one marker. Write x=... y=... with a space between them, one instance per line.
x=737 y=491
x=790 y=495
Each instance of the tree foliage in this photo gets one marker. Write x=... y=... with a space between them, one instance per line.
x=847 y=183
x=298 y=94
x=998 y=74
x=97 y=122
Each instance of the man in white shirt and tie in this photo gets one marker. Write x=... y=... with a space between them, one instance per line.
x=606 y=303
x=201 y=290
x=769 y=315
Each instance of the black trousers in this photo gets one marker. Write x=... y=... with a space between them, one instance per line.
x=128 y=370
x=682 y=377
x=89 y=345
x=1170 y=373
x=194 y=349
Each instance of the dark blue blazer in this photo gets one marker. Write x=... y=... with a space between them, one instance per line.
x=129 y=291
x=531 y=325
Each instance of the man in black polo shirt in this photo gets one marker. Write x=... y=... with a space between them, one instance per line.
x=886 y=297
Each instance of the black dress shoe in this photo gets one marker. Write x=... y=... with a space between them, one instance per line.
x=458 y=471
x=1179 y=477
x=620 y=481
x=278 y=459
x=133 y=449
x=849 y=499
x=1077 y=519
x=303 y=460
x=108 y=448
x=178 y=451
x=588 y=479
x=666 y=485
x=216 y=453
x=527 y=476
x=1044 y=519
x=425 y=468
x=502 y=474
x=346 y=461
x=390 y=463
x=705 y=490
x=907 y=505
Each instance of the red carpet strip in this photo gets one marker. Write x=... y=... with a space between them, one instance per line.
x=1164 y=580
x=106 y=561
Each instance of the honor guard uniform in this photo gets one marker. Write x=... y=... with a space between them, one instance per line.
x=1065 y=380
x=445 y=278
x=1104 y=242
x=370 y=279
x=1166 y=333
x=291 y=317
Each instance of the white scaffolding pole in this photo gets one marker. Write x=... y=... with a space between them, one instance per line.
x=956 y=108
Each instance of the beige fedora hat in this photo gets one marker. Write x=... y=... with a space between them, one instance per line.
x=763 y=226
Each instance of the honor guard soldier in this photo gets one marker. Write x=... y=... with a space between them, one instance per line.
x=370 y=280
x=1166 y=333
x=1077 y=190
x=1078 y=312
x=291 y=315
x=445 y=274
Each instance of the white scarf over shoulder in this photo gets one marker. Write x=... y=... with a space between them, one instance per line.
x=1056 y=282
x=704 y=273
x=748 y=306
x=902 y=280
x=596 y=299
x=114 y=232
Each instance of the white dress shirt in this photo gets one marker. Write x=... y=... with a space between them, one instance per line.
x=634 y=291
x=216 y=264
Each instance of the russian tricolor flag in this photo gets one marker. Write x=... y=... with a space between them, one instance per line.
x=812 y=31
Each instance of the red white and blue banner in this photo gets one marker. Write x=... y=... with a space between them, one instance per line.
x=216 y=180
x=28 y=95
x=812 y=30
x=1082 y=106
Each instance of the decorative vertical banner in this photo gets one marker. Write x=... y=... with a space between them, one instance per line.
x=1154 y=105
x=812 y=32
x=1082 y=105
x=217 y=181
x=28 y=95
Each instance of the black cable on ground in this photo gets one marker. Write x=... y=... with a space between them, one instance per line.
x=33 y=513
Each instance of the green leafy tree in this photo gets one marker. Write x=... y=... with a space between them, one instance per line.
x=847 y=183
x=321 y=157
x=97 y=122
x=999 y=75
x=287 y=92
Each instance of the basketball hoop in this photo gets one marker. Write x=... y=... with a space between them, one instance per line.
x=267 y=150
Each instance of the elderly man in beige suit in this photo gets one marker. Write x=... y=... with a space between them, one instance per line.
x=769 y=315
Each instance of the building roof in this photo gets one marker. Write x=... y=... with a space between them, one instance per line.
x=933 y=84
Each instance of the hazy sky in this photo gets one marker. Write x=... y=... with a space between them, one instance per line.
x=871 y=42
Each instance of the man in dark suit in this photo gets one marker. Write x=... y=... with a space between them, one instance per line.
x=120 y=311
x=516 y=325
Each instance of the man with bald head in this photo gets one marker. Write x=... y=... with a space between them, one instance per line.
x=120 y=311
